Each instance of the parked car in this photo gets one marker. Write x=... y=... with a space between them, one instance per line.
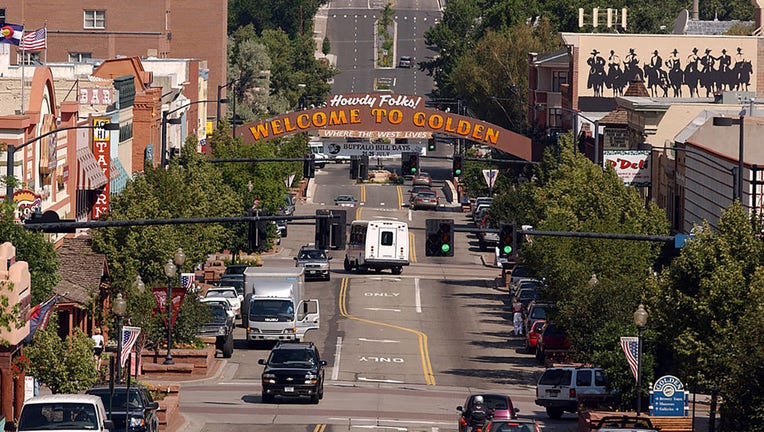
x=345 y=201
x=137 y=405
x=425 y=200
x=528 y=295
x=230 y=294
x=560 y=389
x=523 y=283
x=487 y=239
x=536 y=311
x=422 y=179
x=235 y=269
x=499 y=404
x=513 y=425
x=532 y=335
x=220 y=325
x=315 y=261
x=287 y=209
x=406 y=62
x=69 y=412
x=293 y=369
x=553 y=343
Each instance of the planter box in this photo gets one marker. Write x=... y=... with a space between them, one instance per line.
x=187 y=361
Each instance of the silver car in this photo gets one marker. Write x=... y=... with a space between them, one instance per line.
x=316 y=263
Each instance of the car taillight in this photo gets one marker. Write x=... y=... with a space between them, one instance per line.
x=572 y=393
x=462 y=421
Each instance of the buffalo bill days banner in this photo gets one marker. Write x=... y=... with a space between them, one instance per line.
x=368 y=112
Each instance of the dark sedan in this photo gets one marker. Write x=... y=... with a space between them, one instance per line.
x=140 y=408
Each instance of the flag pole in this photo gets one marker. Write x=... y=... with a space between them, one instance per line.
x=45 y=30
x=21 y=46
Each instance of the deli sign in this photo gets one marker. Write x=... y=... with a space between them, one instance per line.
x=632 y=166
x=369 y=112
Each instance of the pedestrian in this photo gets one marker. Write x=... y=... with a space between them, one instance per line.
x=517 y=318
x=98 y=346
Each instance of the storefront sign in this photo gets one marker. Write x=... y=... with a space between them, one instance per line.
x=97 y=96
x=668 y=397
x=632 y=166
x=101 y=148
x=388 y=116
x=27 y=203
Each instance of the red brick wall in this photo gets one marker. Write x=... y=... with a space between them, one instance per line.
x=195 y=29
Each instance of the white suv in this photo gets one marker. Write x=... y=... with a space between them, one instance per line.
x=561 y=389
x=229 y=294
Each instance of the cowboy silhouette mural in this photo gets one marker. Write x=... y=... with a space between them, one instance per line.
x=713 y=73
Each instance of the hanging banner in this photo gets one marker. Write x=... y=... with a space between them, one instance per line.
x=160 y=294
x=101 y=149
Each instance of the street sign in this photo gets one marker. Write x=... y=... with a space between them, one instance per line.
x=668 y=397
x=490 y=177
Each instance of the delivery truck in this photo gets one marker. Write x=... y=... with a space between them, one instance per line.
x=275 y=306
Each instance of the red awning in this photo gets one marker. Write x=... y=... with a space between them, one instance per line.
x=89 y=175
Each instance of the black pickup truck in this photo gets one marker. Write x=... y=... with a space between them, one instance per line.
x=139 y=409
x=220 y=325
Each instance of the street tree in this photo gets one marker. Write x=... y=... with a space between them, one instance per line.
x=702 y=298
x=569 y=193
x=64 y=366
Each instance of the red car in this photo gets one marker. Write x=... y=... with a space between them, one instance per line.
x=553 y=342
x=532 y=336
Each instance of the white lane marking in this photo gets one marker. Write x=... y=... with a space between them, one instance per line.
x=410 y=215
x=391 y=421
x=378 y=340
x=380 y=380
x=383 y=309
x=336 y=365
x=417 y=296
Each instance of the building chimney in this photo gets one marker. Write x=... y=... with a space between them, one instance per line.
x=695 y=10
x=757 y=15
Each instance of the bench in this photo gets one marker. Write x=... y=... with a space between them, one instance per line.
x=588 y=420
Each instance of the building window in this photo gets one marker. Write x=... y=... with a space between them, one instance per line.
x=555 y=118
x=559 y=78
x=2 y=16
x=95 y=19
x=75 y=57
x=29 y=58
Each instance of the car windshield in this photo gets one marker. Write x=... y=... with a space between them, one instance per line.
x=58 y=416
x=495 y=402
x=510 y=427
x=218 y=313
x=221 y=293
x=344 y=198
x=429 y=195
x=118 y=400
x=290 y=357
x=312 y=254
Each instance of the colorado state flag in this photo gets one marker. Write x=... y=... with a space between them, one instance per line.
x=11 y=33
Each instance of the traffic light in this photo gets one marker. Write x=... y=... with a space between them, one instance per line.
x=354 y=162
x=363 y=167
x=257 y=232
x=457 y=168
x=323 y=238
x=440 y=237
x=414 y=161
x=507 y=241
x=309 y=166
x=339 y=229
x=431 y=144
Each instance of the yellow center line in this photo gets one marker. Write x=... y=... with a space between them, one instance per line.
x=412 y=248
x=363 y=194
x=424 y=353
x=358 y=213
x=400 y=198
x=319 y=428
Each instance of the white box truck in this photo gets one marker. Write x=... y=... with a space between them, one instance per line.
x=275 y=308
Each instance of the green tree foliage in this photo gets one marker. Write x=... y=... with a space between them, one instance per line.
x=248 y=68
x=569 y=193
x=36 y=250
x=702 y=298
x=189 y=188
x=326 y=46
x=295 y=17
x=64 y=366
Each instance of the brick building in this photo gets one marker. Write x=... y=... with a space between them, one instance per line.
x=144 y=28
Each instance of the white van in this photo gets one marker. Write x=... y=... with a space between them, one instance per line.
x=379 y=244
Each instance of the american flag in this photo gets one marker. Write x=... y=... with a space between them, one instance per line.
x=630 y=347
x=187 y=280
x=129 y=336
x=34 y=41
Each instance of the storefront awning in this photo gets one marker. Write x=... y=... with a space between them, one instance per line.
x=89 y=175
x=119 y=177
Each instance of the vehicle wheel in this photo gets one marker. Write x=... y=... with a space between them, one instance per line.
x=228 y=346
x=328 y=277
x=397 y=270
x=554 y=412
x=347 y=265
x=267 y=398
x=314 y=399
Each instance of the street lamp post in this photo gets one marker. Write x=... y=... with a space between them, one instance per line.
x=640 y=320
x=729 y=121
x=119 y=308
x=11 y=151
x=166 y=120
x=169 y=271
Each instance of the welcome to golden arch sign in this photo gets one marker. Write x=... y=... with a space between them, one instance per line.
x=368 y=112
